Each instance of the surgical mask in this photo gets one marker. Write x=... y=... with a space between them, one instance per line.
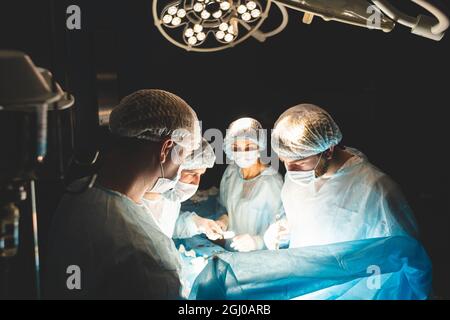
x=304 y=178
x=164 y=184
x=181 y=192
x=245 y=159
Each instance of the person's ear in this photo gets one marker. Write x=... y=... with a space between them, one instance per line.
x=329 y=153
x=165 y=149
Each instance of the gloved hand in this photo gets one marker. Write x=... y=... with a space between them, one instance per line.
x=277 y=235
x=208 y=227
x=223 y=222
x=247 y=243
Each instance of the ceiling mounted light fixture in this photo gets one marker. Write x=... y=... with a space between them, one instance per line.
x=213 y=25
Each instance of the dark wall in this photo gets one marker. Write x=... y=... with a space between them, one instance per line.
x=389 y=93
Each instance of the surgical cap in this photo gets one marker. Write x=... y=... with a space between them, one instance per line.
x=303 y=131
x=244 y=129
x=202 y=158
x=154 y=115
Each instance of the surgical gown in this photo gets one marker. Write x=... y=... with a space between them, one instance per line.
x=118 y=248
x=173 y=223
x=357 y=202
x=252 y=205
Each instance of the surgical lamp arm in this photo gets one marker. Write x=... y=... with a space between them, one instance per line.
x=356 y=12
x=353 y=12
x=424 y=26
x=262 y=36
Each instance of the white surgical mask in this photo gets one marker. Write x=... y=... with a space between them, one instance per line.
x=304 y=178
x=181 y=192
x=164 y=184
x=245 y=159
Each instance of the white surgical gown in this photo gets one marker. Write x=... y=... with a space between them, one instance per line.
x=166 y=214
x=116 y=246
x=357 y=202
x=252 y=205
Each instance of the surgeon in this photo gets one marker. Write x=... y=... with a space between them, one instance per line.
x=249 y=190
x=331 y=193
x=103 y=242
x=164 y=206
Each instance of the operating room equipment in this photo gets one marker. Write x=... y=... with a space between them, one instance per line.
x=30 y=99
x=213 y=25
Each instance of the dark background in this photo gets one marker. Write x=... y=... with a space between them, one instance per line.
x=389 y=93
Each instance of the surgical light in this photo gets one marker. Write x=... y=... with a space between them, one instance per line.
x=247 y=17
x=189 y=32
